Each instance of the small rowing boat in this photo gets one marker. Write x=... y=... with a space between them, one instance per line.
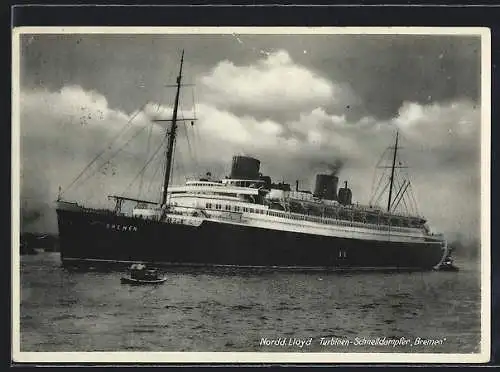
x=142 y=281
x=139 y=274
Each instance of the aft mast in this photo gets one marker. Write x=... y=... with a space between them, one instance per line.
x=389 y=201
x=171 y=138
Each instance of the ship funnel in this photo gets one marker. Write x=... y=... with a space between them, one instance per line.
x=326 y=186
x=245 y=168
x=345 y=195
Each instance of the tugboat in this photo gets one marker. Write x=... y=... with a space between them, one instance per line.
x=447 y=265
x=140 y=274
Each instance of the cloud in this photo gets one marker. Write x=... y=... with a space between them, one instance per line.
x=451 y=129
x=274 y=84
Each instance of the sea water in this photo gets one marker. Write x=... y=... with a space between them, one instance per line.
x=210 y=310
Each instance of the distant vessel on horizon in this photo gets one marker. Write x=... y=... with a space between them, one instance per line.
x=246 y=220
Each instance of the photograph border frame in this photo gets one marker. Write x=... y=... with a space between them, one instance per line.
x=440 y=358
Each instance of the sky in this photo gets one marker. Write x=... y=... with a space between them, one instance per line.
x=298 y=103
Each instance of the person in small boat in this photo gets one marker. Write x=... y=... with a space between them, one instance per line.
x=140 y=271
x=137 y=267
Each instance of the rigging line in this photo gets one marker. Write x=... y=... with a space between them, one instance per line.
x=158 y=104
x=190 y=150
x=382 y=156
x=145 y=166
x=99 y=155
x=108 y=147
x=405 y=205
x=198 y=143
x=195 y=116
x=178 y=149
x=404 y=173
x=181 y=114
x=373 y=188
x=158 y=166
x=411 y=200
x=400 y=193
x=180 y=164
x=414 y=199
x=374 y=192
x=415 y=208
x=191 y=154
x=109 y=160
x=401 y=197
x=194 y=105
x=112 y=157
x=192 y=147
x=195 y=147
x=383 y=191
x=183 y=155
x=396 y=186
x=147 y=154
x=162 y=176
x=171 y=175
x=152 y=180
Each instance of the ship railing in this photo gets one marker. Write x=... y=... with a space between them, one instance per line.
x=230 y=216
x=349 y=207
x=97 y=210
x=338 y=222
x=378 y=210
x=236 y=216
x=325 y=220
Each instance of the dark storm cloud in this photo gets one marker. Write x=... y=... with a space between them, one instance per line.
x=387 y=70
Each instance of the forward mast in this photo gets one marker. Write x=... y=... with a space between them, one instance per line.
x=171 y=137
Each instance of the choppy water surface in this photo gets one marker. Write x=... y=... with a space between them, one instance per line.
x=64 y=310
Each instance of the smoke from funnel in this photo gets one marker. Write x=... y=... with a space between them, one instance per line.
x=335 y=167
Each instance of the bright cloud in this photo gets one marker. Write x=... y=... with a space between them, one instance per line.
x=273 y=83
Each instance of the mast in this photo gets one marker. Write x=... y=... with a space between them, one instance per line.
x=171 y=138
x=392 y=173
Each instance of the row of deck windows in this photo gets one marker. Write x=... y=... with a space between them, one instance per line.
x=235 y=208
x=179 y=192
x=328 y=221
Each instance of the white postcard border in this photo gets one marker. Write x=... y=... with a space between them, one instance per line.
x=259 y=357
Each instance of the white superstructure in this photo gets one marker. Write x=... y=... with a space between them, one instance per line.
x=255 y=206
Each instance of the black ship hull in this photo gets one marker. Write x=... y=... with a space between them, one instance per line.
x=98 y=237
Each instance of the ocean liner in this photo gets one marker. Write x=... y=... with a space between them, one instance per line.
x=246 y=220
